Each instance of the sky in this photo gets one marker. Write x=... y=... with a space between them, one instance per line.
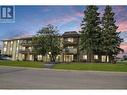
x=30 y=19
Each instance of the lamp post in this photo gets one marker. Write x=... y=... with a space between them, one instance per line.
x=49 y=53
x=49 y=56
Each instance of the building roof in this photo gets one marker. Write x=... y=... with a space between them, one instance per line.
x=70 y=34
x=19 y=38
x=66 y=34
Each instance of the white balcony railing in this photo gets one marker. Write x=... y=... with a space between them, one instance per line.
x=70 y=50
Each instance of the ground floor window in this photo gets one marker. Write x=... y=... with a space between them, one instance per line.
x=105 y=58
x=39 y=57
x=85 y=57
x=31 y=57
x=68 y=58
x=95 y=56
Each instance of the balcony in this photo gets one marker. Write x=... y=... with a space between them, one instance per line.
x=70 y=50
x=27 y=51
x=66 y=42
x=26 y=44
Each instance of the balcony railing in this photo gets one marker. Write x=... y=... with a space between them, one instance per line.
x=26 y=43
x=26 y=51
x=66 y=42
x=70 y=50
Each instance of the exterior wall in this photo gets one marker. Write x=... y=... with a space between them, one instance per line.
x=14 y=51
x=22 y=52
x=11 y=48
x=70 y=47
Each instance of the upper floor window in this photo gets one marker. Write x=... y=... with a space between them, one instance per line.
x=30 y=48
x=18 y=41
x=11 y=42
x=5 y=43
x=10 y=48
x=23 y=48
x=5 y=49
x=70 y=39
x=17 y=48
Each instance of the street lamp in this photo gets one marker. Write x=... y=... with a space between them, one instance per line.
x=49 y=53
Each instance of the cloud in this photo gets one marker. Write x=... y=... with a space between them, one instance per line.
x=119 y=9
x=121 y=17
x=124 y=46
x=16 y=33
x=71 y=15
x=122 y=26
x=79 y=14
x=65 y=19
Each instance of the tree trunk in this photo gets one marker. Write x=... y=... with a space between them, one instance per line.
x=92 y=57
x=52 y=58
x=35 y=57
x=42 y=58
x=89 y=57
x=99 y=58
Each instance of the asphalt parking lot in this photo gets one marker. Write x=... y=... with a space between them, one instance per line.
x=29 y=78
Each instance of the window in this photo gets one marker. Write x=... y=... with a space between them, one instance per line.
x=18 y=41
x=103 y=58
x=5 y=49
x=23 y=48
x=5 y=43
x=11 y=49
x=17 y=48
x=107 y=58
x=30 y=48
x=70 y=39
x=31 y=57
x=85 y=57
x=39 y=57
x=11 y=42
x=95 y=56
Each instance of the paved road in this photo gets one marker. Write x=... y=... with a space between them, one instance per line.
x=25 y=78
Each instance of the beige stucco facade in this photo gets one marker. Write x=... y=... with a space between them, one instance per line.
x=21 y=49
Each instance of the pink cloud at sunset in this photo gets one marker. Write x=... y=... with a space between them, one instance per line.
x=65 y=19
x=124 y=46
x=62 y=20
x=79 y=14
x=122 y=26
x=119 y=9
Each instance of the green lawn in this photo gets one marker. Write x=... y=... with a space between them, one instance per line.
x=122 y=67
x=22 y=63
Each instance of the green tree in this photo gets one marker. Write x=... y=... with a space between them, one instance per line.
x=39 y=48
x=110 y=38
x=47 y=41
x=90 y=32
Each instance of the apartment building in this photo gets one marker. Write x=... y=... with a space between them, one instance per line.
x=71 y=46
x=20 y=48
x=17 y=47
